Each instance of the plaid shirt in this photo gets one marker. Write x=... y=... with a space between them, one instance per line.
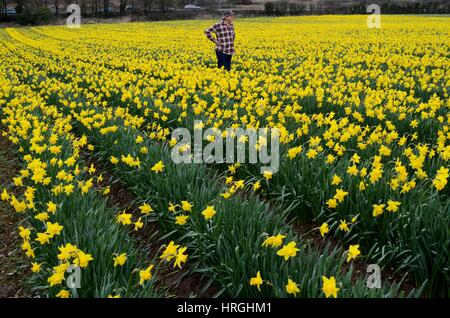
x=224 y=37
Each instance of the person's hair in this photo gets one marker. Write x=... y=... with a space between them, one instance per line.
x=227 y=13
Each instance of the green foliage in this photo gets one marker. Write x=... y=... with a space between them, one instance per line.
x=34 y=15
x=227 y=249
x=89 y=224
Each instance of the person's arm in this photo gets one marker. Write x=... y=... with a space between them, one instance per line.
x=209 y=31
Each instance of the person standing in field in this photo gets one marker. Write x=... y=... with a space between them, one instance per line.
x=224 y=40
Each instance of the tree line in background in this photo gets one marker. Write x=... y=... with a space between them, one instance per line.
x=43 y=11
x=105 y=8
x=286 y=7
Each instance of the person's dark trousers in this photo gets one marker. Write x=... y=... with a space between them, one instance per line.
x=223 y=60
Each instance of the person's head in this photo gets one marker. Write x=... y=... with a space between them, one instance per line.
x=228 y=16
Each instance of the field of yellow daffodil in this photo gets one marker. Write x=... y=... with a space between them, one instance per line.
x=364 y=127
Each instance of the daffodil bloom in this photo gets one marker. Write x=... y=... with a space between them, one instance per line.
x=267 y=174
x=181 y=219
x=172 y=207
x=43 y=238
x=63 y=294
x=274 y=241
x=353 y=252
x=324 y=229
x=340 y=195
x=55 y=279
x=145 y=208
x=232 y=169
x=158 y=167
x=312 y=153
x=43 y=216
x=293 y=152
x=378 y=209
x=67 y=251
x=35 y=268
x=186 y=206
x=82 y=259
x=228 y=180
x=24 y=233
x=336 y=180
x=180 y=257
x=375 y=175
x=352 y=170
x=139 y=139
x=114 y=160
x=51 y=207
x=288 y=250
x=343 y=226
x=145 y=275
x=138 y=224
x=225 y=195
x=292 y=287
x=393 y=206
x=330 y=159
x=5 y=195
x=170 y=251
x=209 y=212
x=124 y=218
x=18 y=181
x=239 y=184
x=362 y=186
x=68 y=189
x=440 y=181
x=19 y=205
x=355 y=158
x=91 y=169
x=26 y=245
x=329 y=287
x=53 y=229
x=29 y=252
x=332 y=203
x=256 y=281
x=120 y=259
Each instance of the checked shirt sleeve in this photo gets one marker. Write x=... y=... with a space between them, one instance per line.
x=209 y=31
